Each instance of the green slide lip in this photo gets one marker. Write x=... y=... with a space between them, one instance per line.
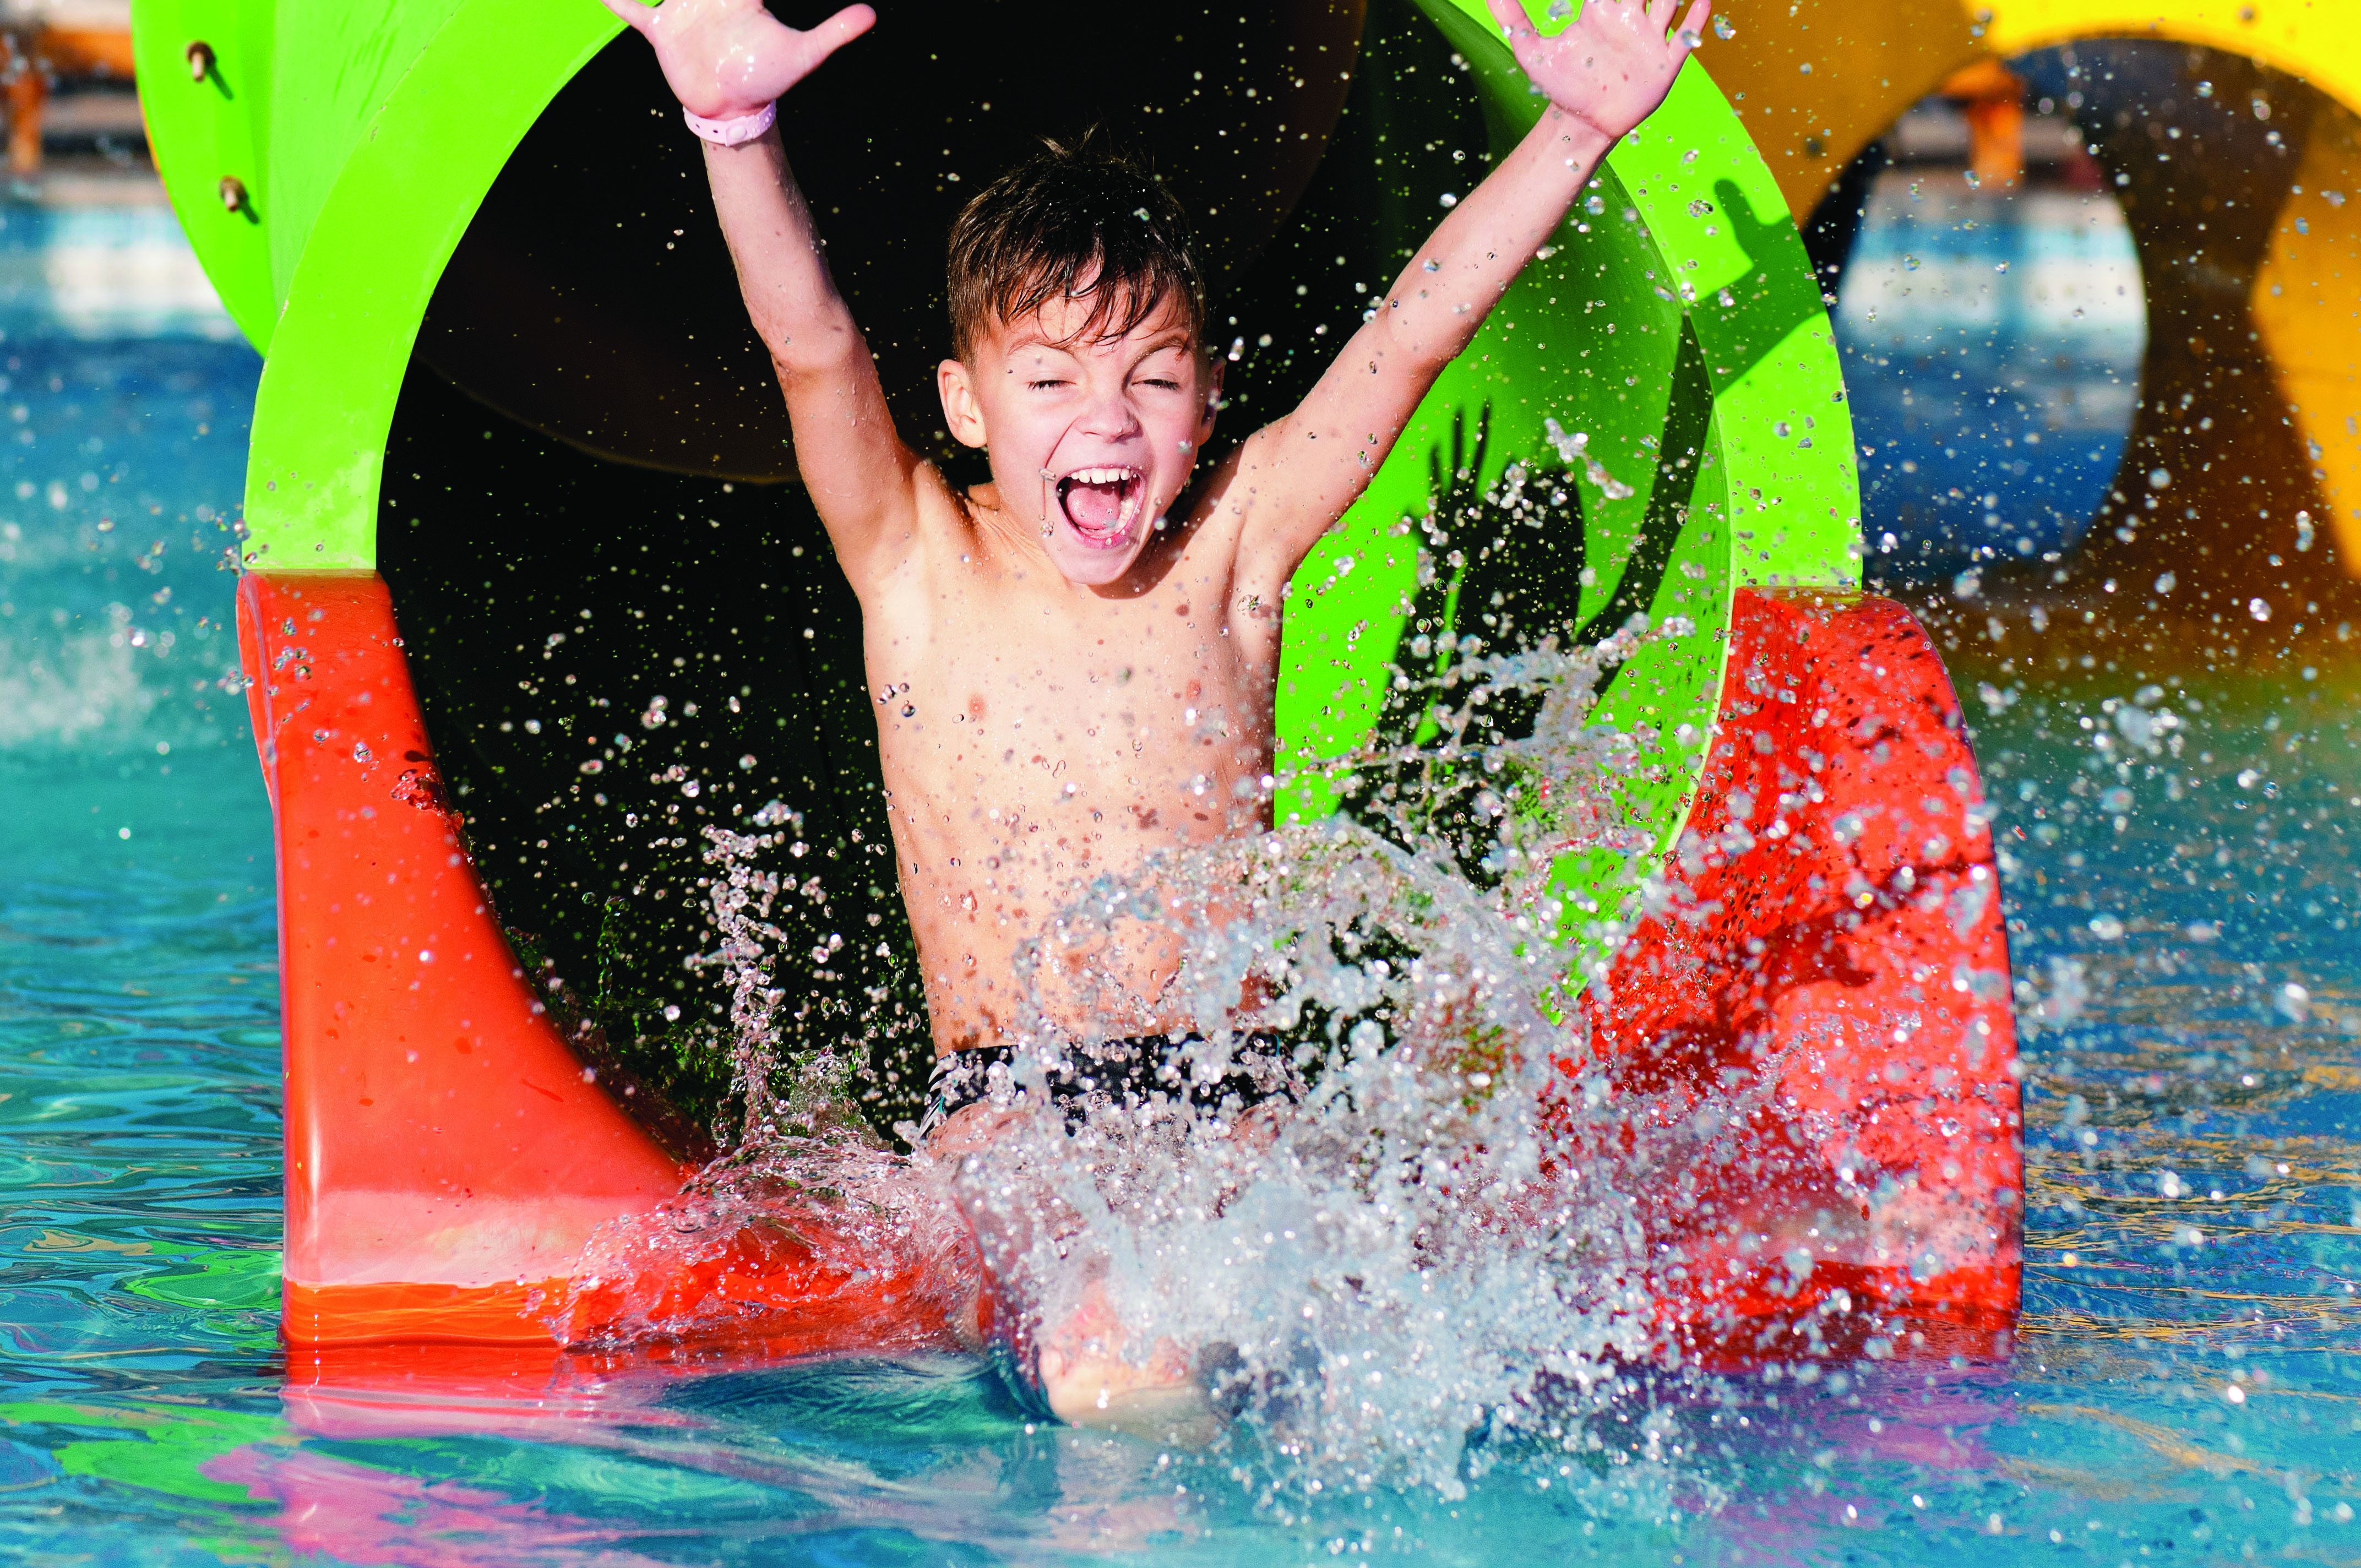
x=366 y=140
x=365 y=143
x=1693 y=254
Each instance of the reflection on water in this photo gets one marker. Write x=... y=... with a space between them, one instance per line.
x=2181 y=898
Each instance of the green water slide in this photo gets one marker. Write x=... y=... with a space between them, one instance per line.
x=456 y=228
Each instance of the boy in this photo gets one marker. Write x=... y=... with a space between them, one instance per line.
x=1075 y=664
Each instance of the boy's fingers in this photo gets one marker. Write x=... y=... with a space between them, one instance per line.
x=841 y=29
x=1510 y=15
x=1700 y=13
x=635 y=15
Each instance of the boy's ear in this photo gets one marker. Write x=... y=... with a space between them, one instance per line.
x=961 y=412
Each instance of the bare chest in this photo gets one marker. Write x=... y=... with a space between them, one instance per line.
x=1083 y=733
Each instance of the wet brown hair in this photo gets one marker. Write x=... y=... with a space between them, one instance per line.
x=1084 y=223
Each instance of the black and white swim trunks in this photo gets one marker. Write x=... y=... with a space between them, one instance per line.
x=1126 y=1072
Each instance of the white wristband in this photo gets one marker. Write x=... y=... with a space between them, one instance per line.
x=730 y=133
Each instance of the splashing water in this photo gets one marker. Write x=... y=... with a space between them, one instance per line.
x=1575 y=448
x=1432 y=1255
x=741 y=896
x=808 y=1198
x=1435 y=1247
x=1434 y=1252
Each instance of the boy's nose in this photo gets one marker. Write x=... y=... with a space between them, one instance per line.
x=1110 y=415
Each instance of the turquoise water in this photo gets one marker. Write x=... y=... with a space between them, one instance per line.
x=2185 y=1388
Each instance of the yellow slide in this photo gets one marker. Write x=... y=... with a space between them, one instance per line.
x=1816 y=81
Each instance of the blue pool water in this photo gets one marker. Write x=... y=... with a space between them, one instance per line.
x=2185 y=1389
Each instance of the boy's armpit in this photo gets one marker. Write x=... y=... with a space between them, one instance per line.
x=1303 y=474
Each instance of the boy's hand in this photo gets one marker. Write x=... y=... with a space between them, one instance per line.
x=1603 y=75
x=727 y=57
x=1612 y=65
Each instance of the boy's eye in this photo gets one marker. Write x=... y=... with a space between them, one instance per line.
x=1045 y=385
x=1167 y=382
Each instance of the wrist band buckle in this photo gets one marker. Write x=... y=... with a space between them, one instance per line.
x=732 y=132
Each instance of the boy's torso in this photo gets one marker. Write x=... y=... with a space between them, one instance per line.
x=1033 y=738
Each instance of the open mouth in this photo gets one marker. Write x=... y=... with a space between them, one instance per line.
x=1101 y=504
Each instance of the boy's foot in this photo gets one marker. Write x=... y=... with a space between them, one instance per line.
x=1088 y=1382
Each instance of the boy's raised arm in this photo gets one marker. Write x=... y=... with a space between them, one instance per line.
x=1604 y=74
x=728 y=60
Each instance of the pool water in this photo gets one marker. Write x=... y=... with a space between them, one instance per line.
x=2185 y=1386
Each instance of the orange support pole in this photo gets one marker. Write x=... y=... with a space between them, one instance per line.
x=1835 y=964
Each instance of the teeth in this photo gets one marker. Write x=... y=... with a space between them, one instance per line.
x=1103 y=475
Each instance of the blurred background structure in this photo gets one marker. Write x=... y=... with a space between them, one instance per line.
x=66 y=81
x=2096 y=270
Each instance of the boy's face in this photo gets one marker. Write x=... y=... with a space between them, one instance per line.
x=1091 y=440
